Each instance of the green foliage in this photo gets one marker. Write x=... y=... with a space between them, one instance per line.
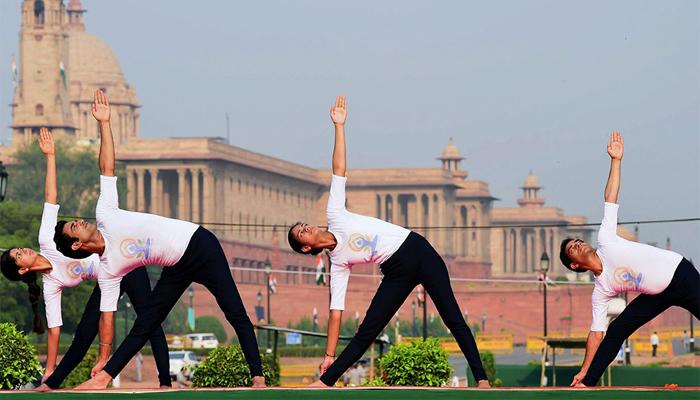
x=20 y=224
x=77 y=175
x=176 y=321
x=81 y=373
x=419 y=363
x=15 y=304
x=226 y=367
x=18 y=359
x=209 y=323
x=489 y=363
x=377 y=381
x=561 y=278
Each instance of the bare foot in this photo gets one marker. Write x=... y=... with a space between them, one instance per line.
x=318 y=384
x=99 y=381
x=259 y=382
x=483 y=384
x=581 y=385
x=43 y=388
x=165 y=387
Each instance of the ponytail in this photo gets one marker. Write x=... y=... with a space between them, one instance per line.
x=11 y=271
x=34 y=293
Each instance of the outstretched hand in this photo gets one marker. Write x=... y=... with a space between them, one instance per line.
x=616 y=145
x=339 y=111
x=46 y=142
x=100 y=106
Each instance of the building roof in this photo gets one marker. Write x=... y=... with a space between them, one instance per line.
x=451 y=152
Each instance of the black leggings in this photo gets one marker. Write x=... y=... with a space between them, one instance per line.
x=414 y=263
x=138 y=288
x=204 y=262
x=683 y=291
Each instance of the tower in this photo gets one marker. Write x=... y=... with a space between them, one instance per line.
x=451 y=159
x=41 y=96
x=531 y=188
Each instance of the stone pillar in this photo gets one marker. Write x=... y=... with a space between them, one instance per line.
x=155 y=192
x=130 y=190
x=396 y=210
x=208 y=198
x=196 y=215
x=140 y=191
x=538 y=248
x=181 y=194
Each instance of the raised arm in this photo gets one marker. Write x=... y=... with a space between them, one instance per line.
x=47 y=147
x=338 y=114
x=100 y=110
x=616 y=146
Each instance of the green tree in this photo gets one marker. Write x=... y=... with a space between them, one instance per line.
x=209 y=323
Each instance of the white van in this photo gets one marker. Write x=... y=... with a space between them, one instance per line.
x=203 y=340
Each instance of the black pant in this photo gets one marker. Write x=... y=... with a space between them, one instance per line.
x=415 y=262
x=653 y=350
x=138 y=288
x=204 y=262
x=683 y=291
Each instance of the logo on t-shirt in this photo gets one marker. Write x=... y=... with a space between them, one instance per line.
x=628 y=278
x=136 y=248
x=83 y=269
x=360 y=242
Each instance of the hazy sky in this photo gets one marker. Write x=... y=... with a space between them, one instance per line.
x=520 y=85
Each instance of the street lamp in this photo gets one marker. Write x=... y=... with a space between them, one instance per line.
x=413 y=307
x=544 y=267
x=268 y=270
x=3 y=182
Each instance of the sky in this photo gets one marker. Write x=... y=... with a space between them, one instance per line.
x=519 y=85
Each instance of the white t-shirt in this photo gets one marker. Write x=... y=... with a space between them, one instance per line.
x=627 y=267
x=65 y=272
x=132 y=240
x=361 y=240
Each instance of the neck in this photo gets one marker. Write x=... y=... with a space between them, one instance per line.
x=328 y=241
x=96 y=243
x=42 y=265
x=594 y=264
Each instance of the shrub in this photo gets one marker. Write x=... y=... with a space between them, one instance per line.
x=418 y=363
x=489 y=363
x=81 y=373
x=226 y=367
x=18 y=360
x=209 y=323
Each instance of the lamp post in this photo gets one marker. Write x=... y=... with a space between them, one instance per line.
x=3 y=182
x=190 y=293
x=544 y=267
x=483 y=320
x=268 y=270
x=415 y=329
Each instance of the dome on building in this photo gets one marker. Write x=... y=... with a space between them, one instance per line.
x=531 y=181
x=451 y=152
x=91 y=60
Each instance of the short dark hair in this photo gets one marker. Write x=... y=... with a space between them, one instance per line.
x=64 y=243
x=296 y=245
x=565 y=258
x=10 y=269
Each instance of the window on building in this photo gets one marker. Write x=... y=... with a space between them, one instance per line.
x=39 y=110
x=39 y=12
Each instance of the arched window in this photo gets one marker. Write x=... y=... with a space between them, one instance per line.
x=39 y=12
x=39 y=110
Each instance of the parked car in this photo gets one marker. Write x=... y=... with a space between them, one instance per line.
x=203 y=340
x=179 y=359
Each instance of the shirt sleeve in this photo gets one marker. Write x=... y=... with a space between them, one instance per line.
x=336 y=198
x=109 y=196
x=608 y=227
x=49 y=218
x=339 y=286
x=599 y=302
x=109 y=286
x=52 y=303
